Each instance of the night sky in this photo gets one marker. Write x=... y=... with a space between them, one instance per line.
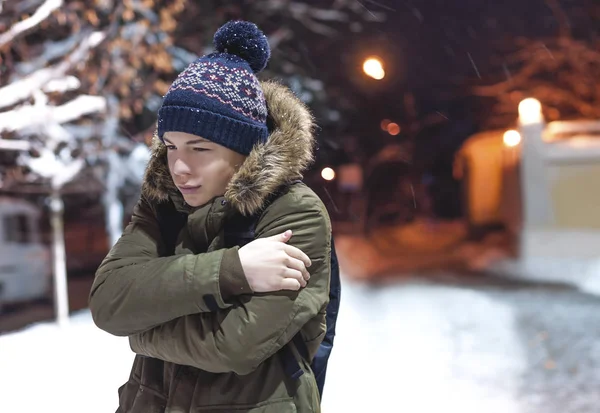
x=436 y=51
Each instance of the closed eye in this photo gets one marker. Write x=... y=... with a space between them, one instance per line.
x=201 y=149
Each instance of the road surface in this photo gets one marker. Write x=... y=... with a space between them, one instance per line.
x=445 y=344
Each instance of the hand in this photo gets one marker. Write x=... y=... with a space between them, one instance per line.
x=272 y=265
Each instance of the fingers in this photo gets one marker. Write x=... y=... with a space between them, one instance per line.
x=296 y=275
x=297 y=254
x=291 y=250
x=283 y=237
x=290 y=284
x=298 y=265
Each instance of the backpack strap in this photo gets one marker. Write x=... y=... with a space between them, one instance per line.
x=170 y=223
x=319 y=363
x=239 y=230
x=290 y=363
x=321 y=358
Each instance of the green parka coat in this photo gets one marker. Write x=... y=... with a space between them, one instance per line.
x=204 y=341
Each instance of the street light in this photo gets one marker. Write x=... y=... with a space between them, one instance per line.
x=530 y=111
x=328 y=174
x=393 y=129
x=511 y=138
x=373 y=67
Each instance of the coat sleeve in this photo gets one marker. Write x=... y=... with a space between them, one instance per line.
x=136 y=289
x=239 y=338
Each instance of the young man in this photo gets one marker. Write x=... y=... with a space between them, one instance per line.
x=212 y=325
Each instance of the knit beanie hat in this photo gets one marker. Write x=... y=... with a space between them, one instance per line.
x=218 y=97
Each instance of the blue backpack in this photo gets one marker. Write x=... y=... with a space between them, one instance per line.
x=240 y=231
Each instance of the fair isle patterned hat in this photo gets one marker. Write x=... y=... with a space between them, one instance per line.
x=218 y=97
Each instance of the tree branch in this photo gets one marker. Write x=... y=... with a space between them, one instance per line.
x=24 y=88
x=32 y=116
x=14 y=145
x=494 y=90
x=564 y=26
x=42 y=13
x=51 y=51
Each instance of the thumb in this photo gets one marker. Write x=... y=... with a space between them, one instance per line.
x=283 y=237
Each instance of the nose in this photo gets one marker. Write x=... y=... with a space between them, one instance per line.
x=180 y=167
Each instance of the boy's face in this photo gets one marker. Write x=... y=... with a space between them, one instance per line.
x=200 y=168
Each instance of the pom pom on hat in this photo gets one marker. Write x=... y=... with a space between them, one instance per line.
x=246 y=40
x=218 y=96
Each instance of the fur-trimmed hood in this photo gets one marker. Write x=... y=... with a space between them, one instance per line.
x=282 y=159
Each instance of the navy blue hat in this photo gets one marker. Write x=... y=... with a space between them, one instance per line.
x=218 y=97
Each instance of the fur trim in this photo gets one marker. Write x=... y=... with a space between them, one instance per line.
x=282 y=159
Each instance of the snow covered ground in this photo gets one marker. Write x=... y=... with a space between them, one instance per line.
x=75 y=369
x=412 y=347
x=423 y=348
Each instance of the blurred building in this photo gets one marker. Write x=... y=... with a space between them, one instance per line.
x=541 y=183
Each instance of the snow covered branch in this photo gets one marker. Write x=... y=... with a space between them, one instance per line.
x=30 y=116
x=24 y=88
x=51 y=51
x=134 y=49
x=23 y=26
x=51 y=167
x=14 y=145
x=62 y=85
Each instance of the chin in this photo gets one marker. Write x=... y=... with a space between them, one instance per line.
x=195 y=200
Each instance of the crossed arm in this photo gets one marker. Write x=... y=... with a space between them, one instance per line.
x=240 y=337
x=160 y=302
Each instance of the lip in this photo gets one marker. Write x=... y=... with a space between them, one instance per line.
x=187 y=189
